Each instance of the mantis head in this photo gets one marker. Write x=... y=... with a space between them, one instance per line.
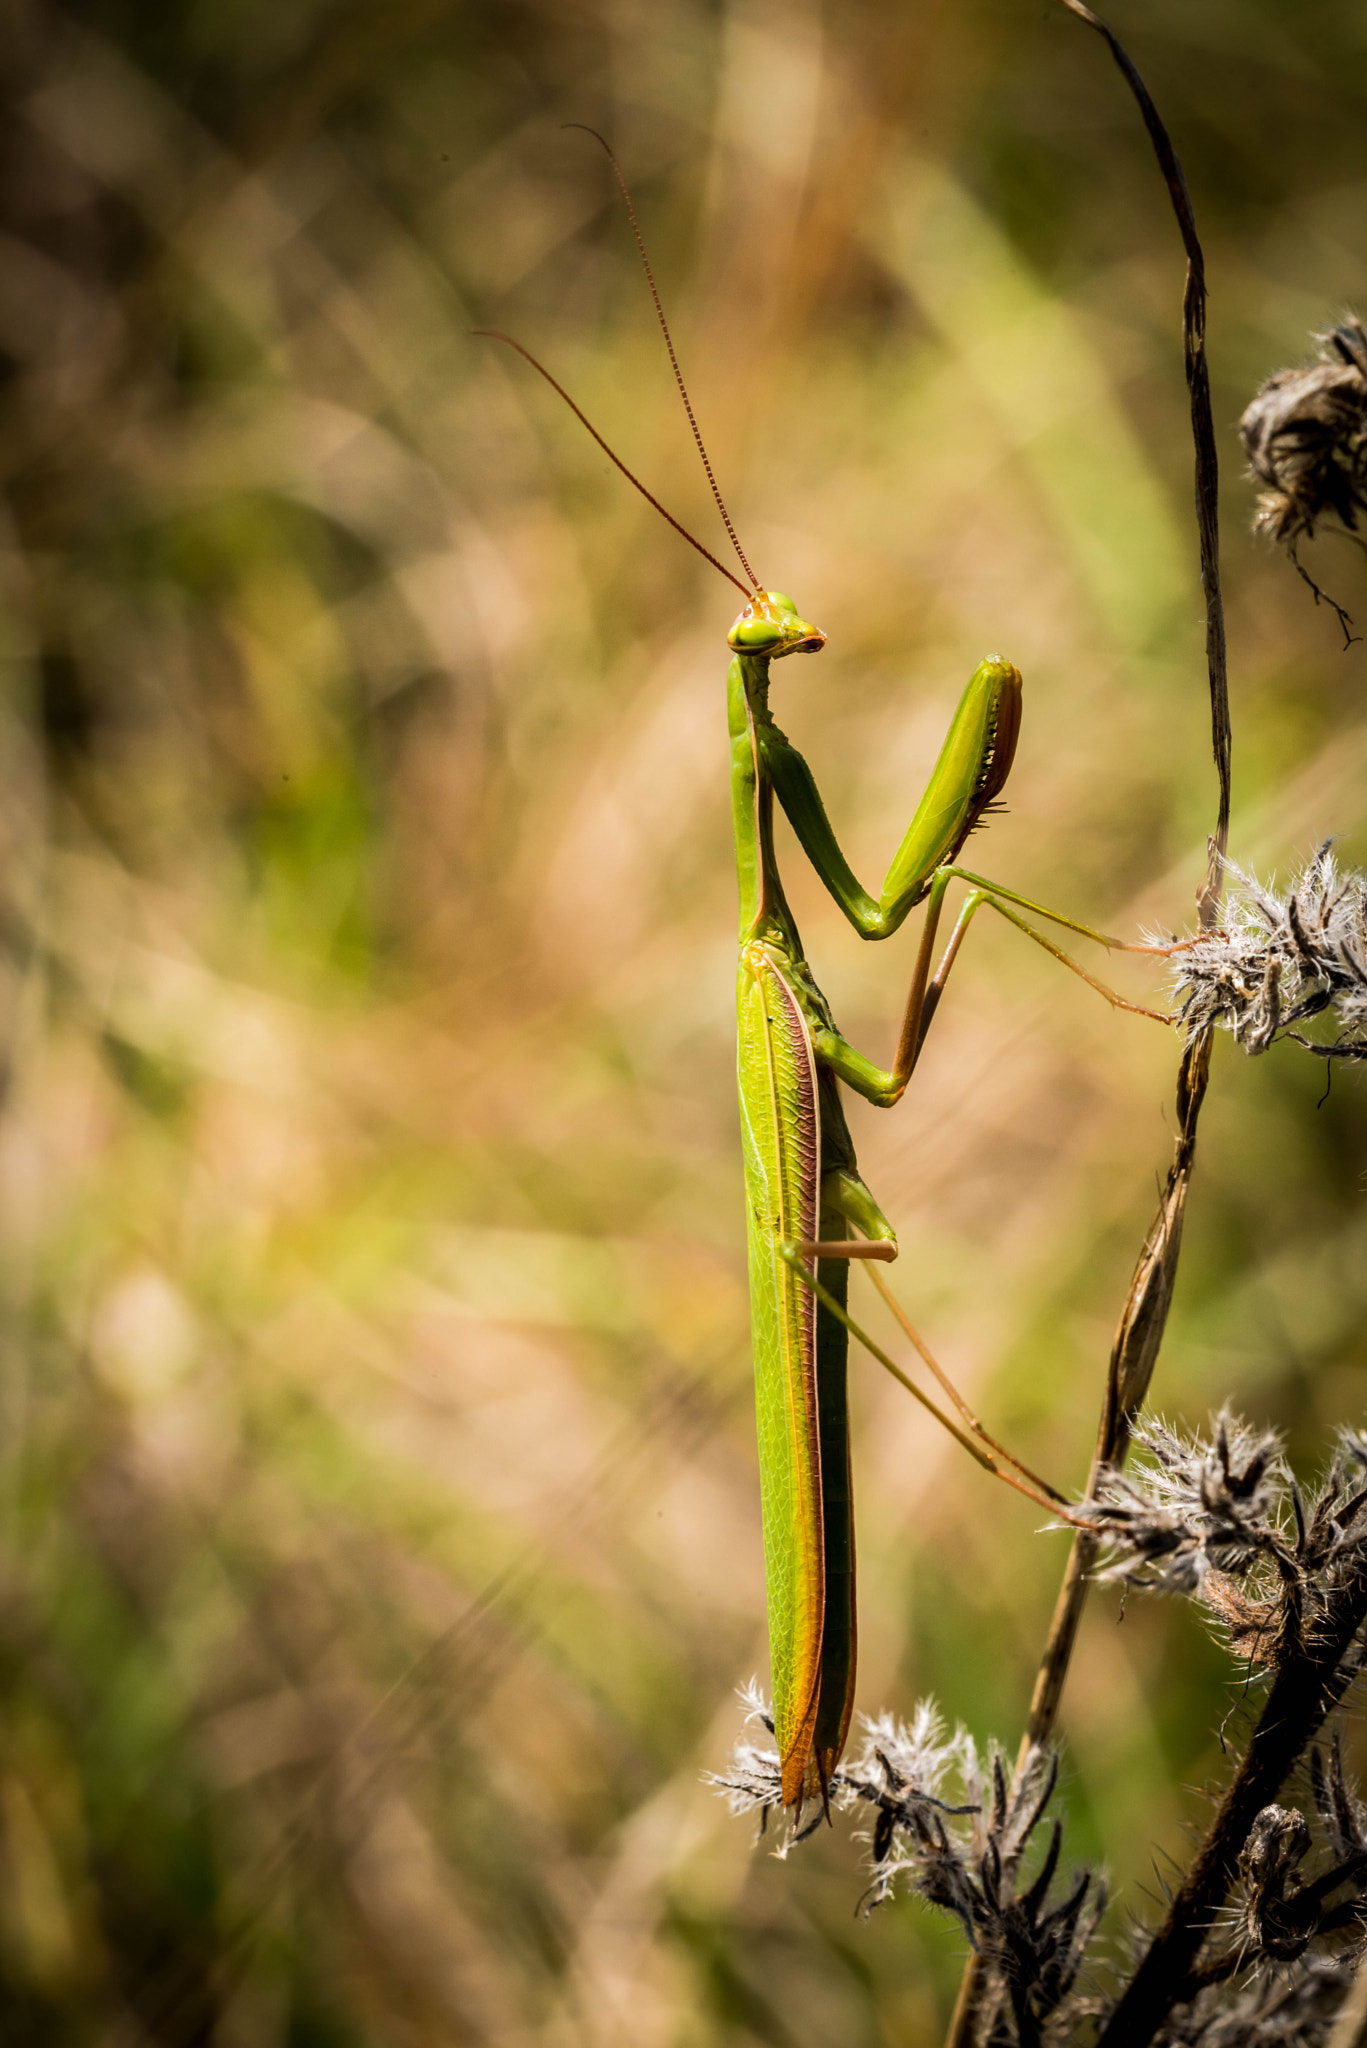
x=769 y=627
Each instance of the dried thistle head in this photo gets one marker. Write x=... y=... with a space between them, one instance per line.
x=900 y=1770
x=753 y=1779
x=1277 y=960
x=1278 y=1843
x=966 y=1858
x=1192 y=1507
x=1283 y=1910
x=1305 y=435
x=1222 y=1521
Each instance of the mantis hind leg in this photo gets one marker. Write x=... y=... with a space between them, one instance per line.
x=845 y=1199
x=929 y=1359
x=981 y=1447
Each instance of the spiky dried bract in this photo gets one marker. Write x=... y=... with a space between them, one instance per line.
x=1192 y=1507
x=1281 y=1911
x=901 y=1771
x=1277 y=960
x=1295 y=2009
x=964 y=1856
x=918 y=1755
x=1297 y=1931
x=1031 y=1943
x=753 y=1779
x=1341 y=1812
x=1305 y=435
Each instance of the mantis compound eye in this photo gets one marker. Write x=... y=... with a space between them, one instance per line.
x=771 y=626
x=754 y=633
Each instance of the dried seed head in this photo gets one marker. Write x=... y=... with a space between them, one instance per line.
x=920 y=1754
x=1306 y=438
x=966 y=1858
x=1224 y=1522
x=1275 y=961
x=1305 y=435
x=1275 y=1925
x=1193 y=1506
x=753 y=1779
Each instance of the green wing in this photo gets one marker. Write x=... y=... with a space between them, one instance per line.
x=780 y=1129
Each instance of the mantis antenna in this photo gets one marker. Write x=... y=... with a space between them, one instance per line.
x=669 y=343
x=496 y=334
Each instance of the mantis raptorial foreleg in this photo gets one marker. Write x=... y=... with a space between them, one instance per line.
x=852 y=1200
x=884 y=1087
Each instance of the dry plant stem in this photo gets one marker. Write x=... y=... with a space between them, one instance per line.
x=1134 y=1352
x=1310 y=1683
x=1144 y=1316
x=1203 y=436
x=1350 y=2028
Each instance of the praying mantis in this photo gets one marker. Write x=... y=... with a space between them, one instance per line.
x=808 y=1212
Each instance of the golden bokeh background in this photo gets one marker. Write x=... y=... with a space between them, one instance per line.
x=377 y=1483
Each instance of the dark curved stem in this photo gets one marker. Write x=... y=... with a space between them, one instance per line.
x=1144 y=1316
x=1310 y=1683
x=1203 y=436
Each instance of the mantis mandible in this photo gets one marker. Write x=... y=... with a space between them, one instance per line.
x=808 y=1212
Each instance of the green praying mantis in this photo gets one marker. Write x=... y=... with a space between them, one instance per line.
x=808 y=1212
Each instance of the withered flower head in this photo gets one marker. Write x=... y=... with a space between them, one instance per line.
x=1278 y=1843
x=1192 y=1505
x=753 y=1780
x=1277 y=960
x=899 y=1770
x=1032 y=1930
x=1305 y=435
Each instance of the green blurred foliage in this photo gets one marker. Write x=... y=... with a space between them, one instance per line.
x=378 y=1527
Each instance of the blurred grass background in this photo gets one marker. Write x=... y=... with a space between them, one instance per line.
x=380 y=1541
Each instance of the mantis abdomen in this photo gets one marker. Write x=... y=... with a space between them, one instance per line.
x=800 y=1394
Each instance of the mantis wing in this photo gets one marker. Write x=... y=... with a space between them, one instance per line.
x=808 y=1567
